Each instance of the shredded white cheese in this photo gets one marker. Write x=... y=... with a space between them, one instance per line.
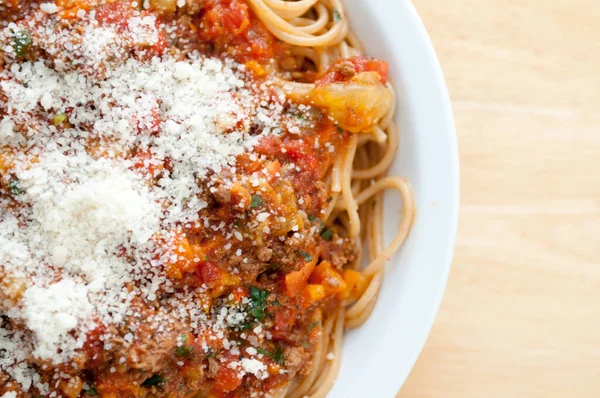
x=96 y=204
x=49 y=8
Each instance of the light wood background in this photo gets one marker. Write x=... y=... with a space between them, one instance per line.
x=521 y=314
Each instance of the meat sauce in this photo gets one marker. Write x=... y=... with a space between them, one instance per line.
x=282 y=281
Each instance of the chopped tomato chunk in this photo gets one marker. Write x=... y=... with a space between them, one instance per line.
x=345 y=69
x=227 y=379
x=229 y=25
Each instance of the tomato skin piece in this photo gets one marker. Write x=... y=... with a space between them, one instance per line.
x=209 y=273
x=284 y=319
x=227 y=379
x=367 y=64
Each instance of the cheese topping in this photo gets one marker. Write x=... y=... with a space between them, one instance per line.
x=94 y=211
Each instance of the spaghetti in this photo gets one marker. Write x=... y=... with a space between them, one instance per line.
x=320 y=31
x=191 y=194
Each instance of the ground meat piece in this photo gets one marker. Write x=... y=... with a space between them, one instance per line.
x=222 y=194
x=339 y=251
x=194 y=6
x=213 y=367
x=264 y=254
x=252 y=267
x=146 y=348
x=294 y=358
x=149 y=350
x=346 y=68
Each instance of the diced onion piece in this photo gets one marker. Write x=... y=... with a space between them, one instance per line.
x=358 y=104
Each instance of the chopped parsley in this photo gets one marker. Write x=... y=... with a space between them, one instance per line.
x=312 y=326
x=20 y=42
x=276 y=356
x=153 y=381
x=263 y=352
x=92 y=391
x=15 y=187
x=311 y=218
x=258 y=300
x=337 y=17
x=326 y=234
x=339 y=129
x=185 y=351
x=244 y=326
x=305 y=255
x=257 y=201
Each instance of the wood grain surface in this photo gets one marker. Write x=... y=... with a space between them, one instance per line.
x=521 y=314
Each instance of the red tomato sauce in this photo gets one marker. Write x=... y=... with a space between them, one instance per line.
x=280 y=280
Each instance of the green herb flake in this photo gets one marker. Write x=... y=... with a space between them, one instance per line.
x=337 y=17
x=15 y=187
x=305 y=345
x=183 y=337
x=305 y=255
x=92 y=391
x=59 y=119
x=326 y=234
x=258 y=300
x=244 y=326
x=257 y=201
x=277 y=356
x=152 y=381
x=20 y=42
x=184 y=351
x=312 y=326
x=263 y=352
x=311 y=218
x=339 y=129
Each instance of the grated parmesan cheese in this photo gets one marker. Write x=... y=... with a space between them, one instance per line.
x=52 y=313
x=49 y=8
x=98 y=213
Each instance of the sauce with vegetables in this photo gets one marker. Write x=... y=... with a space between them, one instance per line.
x=162 y=200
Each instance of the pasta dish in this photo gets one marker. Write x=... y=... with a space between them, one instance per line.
x=191 y=196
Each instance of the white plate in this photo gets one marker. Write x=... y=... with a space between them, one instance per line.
x=378 y=357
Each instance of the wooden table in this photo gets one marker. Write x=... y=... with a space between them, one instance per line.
x=521 y=315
